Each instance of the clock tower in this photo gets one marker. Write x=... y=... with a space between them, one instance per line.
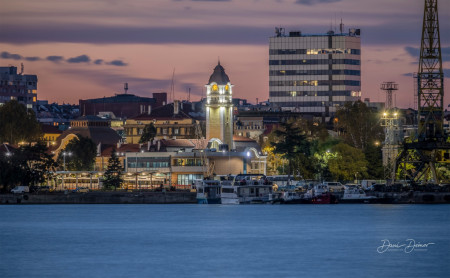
x=219 y=107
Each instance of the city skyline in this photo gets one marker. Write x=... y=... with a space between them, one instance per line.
x=88 y=49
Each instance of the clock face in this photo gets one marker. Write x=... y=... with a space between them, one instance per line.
x=227 y=87
x=214 y=87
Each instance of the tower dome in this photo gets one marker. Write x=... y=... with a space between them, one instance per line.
x=219 y=76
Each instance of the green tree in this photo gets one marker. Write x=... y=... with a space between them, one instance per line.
x=148 y=134
x=83 y=152
x=290 y=143
x=28 y=165
x=374 y=159
x=347 y=163
x=17 y=123
x=358 y=125
x=113 y=174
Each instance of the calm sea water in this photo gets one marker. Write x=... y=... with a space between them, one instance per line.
x=223 y=241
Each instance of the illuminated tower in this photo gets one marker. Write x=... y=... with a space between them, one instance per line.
x=219 y=107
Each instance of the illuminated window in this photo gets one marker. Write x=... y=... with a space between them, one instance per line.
x=215 y=88
x=293 y=93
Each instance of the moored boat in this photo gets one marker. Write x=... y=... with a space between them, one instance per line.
x=208 y=191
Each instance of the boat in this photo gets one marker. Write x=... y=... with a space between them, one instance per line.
x=320 y=194
x=247 y=189
x=353 y=194
x=208 y=191
x=293 y=197
x=229 y=194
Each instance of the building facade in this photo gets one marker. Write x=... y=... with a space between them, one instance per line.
x=18 y=86
x=219 y=107
x=314 y=73
x=173 y=120
x=123 y=105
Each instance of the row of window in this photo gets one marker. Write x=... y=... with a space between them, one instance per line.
x=309 y=93
x=314 y=72
x=314 y=51
x=188 y=179
x=316 y=62
x=149 y=165
x=311 y=103
x=315 y=83
x=187 y=162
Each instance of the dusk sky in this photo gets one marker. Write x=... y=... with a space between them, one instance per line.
x=88 y=48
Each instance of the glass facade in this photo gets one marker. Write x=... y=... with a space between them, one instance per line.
x=314 y=74
x=188 y=179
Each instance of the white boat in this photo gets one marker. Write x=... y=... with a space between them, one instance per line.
x=208 y=191
x=229 y=193
x=353 y=194
x=251 y=188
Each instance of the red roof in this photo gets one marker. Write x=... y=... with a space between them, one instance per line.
x=242 y=139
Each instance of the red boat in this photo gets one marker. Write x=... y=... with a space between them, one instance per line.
x=324 y=198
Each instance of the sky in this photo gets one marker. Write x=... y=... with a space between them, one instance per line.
x=82 y=49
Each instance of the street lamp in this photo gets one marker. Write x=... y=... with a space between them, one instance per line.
x=64 y=153
x=64 y=158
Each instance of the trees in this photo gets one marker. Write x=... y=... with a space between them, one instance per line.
x=148 y=134
x=113 y=174
x=17 y=124
x=83 y=152
x=347 y=162
x=358 y=125
x=290 y=143
x=28 y=165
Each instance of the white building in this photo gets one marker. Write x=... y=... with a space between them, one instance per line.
x=315 y=73
x=219 y=108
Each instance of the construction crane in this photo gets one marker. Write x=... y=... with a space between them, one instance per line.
x=420 y=154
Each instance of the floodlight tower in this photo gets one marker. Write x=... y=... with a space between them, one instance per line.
x=390 y=120
x=429 y=145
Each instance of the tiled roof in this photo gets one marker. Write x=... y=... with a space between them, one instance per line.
x=237 y=138
x=178 y=143
x=107 y=149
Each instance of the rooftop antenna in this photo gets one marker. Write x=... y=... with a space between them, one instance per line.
x=125 y=87
x=21 y=68
x=335 y=22
x=341 y=26
x=189 y=94
x=172 y=86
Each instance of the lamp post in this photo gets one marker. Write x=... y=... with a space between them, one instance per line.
x=64 y=153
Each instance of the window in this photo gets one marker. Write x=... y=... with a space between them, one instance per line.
x=164 y=131
x=176 y=131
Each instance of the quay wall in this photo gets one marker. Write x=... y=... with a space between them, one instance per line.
x=101 y=198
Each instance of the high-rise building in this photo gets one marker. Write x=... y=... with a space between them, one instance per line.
x=219 y=107
x=18 y=86
x=314 y=73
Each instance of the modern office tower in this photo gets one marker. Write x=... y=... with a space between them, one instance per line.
x=18 y=86
x=315 y=73
x=219 y=107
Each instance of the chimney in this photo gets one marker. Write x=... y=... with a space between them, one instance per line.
x=149 y=110
x=158 y=145
x=176 y=107
x=148 y=145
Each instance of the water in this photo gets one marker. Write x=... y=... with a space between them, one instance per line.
x=222 y=241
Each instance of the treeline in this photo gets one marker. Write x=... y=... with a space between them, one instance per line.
x=308 y=150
